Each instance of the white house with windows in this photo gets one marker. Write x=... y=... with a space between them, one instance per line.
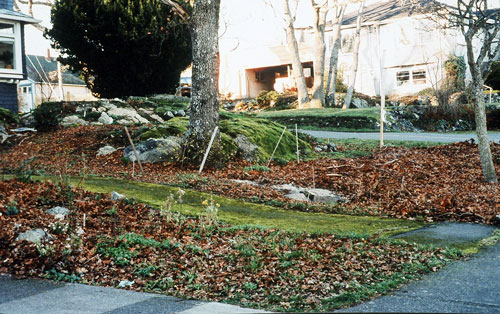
x=12 y=64
x=399 y=46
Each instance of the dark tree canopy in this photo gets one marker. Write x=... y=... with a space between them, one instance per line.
x=493 y=78
x=122 y=47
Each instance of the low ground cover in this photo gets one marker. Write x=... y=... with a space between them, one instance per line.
x=145 y=248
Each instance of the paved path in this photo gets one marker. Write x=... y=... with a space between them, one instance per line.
x=33 y=296
x=410 y=136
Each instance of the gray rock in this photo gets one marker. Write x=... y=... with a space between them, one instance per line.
x=156 y=150
x=58 y=210
x=73 y=120
x=115 y=196
x=127 y=114
x=3 y=134
x=359 y=103
x=180 y=113
x=287 y=188
x=496 y=220
x=124 y=122
x=246 y=149
x=253 y=183
x=35 y=236
x=323 y=196
x=23 y=130
x=106 y=150
x=297 y=197
x=105 y=119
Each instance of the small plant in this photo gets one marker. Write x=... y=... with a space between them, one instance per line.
x=145 y=270
x=256 y=168
x=45 y=249
x=170 y=202
x=112 y=212
x=24 y=172
x=125 y=160
x=60 y=276
x=211 y=210
x=12 y=209
x=58 y=227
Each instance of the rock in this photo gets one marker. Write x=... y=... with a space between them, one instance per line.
x=27 y=120
x=35 y=236
x=180 y=113
x=252 y=183
x=297 y=197
x=3 y=134
x=287 y=188
x=124 y=122
x=125 y=283
x=127 y=114
x=157 y=118
x=115 y=196
x=105 y=119
x=23 y=130
x=156 y=150
x=106 y=150
x=73 y=120
x=246 y=149
x=58 y=210
x=359 y=103
x=323 y=196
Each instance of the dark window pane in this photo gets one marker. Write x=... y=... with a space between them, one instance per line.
x=6 y=55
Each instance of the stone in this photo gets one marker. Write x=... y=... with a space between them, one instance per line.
x=156 y=150
x=35 y=236
x=323 y=196
x=73 y=120
x=58 y=210
x=252 y=183
x=287 y=188
x=106 y=150
x=3 y=134
x=115 y=196
x=125 y=283
x=246 y=149
x=359 y=103
x=496 y=219
x=124 y=122
x=180 y=113
x=23 y=130
x=297 y=197
x=127 y=114
x=105 y=119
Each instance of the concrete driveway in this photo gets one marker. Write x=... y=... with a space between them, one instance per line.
x=410 y=136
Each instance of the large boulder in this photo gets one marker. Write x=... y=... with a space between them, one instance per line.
x=359 y=103
x=105 y=119
x=34 y=236
x=127 y=114
x=246 y=149
x=73 y=120
x=156 y=150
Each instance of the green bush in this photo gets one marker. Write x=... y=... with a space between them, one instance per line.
x=266 y=98
x=7 y=117
x=48 y=115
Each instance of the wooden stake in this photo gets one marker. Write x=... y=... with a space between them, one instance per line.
x=208 y=149
x=133 y=148
x=276 y=146
x=297 y=141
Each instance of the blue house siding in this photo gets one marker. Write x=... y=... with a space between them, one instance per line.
x=7 y=4
x=8 y=97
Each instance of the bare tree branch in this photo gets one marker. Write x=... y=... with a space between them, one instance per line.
x=183 y=14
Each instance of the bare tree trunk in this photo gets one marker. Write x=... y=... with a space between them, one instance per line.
x=204 y=112
x=318 y=94
x=298 y=71
x=334 y=56
x=355 y=58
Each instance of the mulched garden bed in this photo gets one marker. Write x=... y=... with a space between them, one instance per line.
x=107 y=243
x=433 y=184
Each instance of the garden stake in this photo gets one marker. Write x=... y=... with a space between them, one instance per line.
x=276 y=147
x=208 y=149
x=133 y=148
x=297 y=142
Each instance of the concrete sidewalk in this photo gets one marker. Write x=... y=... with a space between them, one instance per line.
x=34 y=296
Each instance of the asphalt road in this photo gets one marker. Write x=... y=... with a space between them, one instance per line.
x=410 y=136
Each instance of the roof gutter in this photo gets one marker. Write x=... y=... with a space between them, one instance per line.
x=25 y=19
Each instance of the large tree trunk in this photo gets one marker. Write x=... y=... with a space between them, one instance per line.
x=355 y=58
x=204 y=112
x=298 y=71
x=318 y=94
x=334 y=56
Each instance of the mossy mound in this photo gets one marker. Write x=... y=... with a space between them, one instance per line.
x=261 y=132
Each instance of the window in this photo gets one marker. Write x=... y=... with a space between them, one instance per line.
x=403 y=78
x=347 y=42
x=415 y=77
x=419 y=77
x=7 y=46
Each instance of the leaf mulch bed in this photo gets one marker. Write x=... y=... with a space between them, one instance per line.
x=107 y=242
x=433 y=184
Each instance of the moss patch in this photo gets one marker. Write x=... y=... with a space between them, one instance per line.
x=174 y=127
x=242 y=213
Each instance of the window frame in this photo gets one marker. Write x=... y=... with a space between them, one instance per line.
x=14 y=38
x=411 y=73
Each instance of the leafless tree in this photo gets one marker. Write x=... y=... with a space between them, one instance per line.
x=337 y=19
x=480 y=27
x=355 y=57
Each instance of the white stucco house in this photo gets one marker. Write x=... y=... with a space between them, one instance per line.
x=398 y=45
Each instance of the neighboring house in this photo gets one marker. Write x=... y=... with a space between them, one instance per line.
x=12 y=63
x=398 y=44
x=42 y=84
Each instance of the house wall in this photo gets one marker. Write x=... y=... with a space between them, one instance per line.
x=8 y=97
x=7 y=4
x=43 y=93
